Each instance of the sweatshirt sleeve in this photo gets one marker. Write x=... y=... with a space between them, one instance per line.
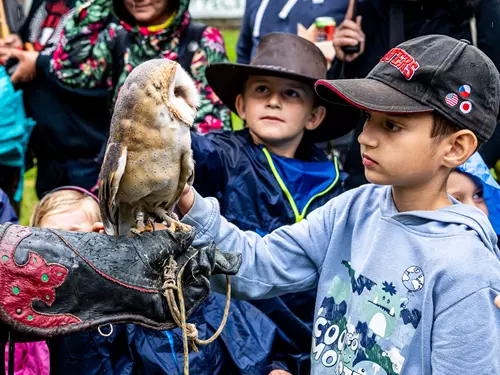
x=83 y=57
x=212 y=113
x=466 y=336
x=286 y=260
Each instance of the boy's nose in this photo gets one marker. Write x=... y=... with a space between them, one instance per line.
x=274 y=101
x=367 y=138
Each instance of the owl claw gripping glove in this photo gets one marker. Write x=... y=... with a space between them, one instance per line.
x=56 y=283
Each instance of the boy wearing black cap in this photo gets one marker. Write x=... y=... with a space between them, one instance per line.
x=405 y=275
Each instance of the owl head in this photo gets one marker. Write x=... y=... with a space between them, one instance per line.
x=161 y=90
x=178 y=91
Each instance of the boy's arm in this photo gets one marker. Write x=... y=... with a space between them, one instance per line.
x=466 y=336
x=286 y=260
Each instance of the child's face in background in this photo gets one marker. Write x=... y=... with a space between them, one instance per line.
x=148 y=12
x=278 y=110
x=464 y=190
x=398 y=150
x=74 y=221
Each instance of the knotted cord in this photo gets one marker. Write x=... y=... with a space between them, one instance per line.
x=178 y=312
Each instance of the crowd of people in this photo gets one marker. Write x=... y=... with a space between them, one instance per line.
x=314 y=267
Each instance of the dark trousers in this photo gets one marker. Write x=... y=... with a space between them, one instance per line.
x=55 y=173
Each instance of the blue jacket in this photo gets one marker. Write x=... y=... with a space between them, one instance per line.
x=265 y=16
x=242 y=348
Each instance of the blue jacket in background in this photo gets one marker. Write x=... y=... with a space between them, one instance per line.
x=265 y=16
x=7 y=213
x=230 y=167
x=242 y=348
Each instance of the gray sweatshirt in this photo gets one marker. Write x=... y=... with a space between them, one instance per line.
x=398 y=293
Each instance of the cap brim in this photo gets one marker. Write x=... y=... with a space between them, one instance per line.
x=227 y=81
x=369 y=94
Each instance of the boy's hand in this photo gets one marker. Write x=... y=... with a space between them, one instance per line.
x=186 y=201
x=497 y=301
x=279 y=372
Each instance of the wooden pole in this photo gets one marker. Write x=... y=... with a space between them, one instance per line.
x=4 y=28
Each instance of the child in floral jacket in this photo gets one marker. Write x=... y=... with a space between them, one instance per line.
x=103 y=42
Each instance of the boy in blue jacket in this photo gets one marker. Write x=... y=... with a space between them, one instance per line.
x=405 y=275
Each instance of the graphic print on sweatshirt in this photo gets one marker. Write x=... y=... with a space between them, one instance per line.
x=363 y=326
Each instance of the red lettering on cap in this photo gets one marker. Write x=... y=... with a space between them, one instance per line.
x=410 y=70
x=389 y=55
x=403 y=61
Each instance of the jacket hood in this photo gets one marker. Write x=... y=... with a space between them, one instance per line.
x=179 y=6
x=456 y=219
x=478 y=171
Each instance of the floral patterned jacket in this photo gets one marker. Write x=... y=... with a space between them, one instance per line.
x=89 y=47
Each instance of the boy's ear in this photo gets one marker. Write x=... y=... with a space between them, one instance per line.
x=316 y=118
x=462 y=144
x=240 y=106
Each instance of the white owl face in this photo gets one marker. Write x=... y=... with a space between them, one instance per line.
x=183 y=97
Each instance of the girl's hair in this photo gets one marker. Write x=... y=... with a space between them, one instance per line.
x=63 y=200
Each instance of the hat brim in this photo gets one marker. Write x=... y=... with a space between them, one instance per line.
x=369 y=94
x=227 y=81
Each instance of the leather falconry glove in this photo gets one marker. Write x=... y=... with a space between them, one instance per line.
x=56 y=282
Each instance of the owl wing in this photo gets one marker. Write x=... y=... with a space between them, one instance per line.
x=112 y=171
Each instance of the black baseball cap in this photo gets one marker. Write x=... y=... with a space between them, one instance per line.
x=425 y=74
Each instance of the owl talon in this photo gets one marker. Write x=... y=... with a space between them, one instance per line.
x=176 y=225
x=142 y=229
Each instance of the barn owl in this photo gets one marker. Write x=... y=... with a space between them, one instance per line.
x=148 y=157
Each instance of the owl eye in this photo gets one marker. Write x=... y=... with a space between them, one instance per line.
x=180 y=92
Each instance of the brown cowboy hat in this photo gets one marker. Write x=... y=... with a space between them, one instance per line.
x=287 y=56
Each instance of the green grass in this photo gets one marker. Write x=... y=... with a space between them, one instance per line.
x=29 y=195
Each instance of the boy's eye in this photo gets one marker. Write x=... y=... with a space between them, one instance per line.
x=261 y=89
x=478 y=195
x=292 y=93
x=392 y=126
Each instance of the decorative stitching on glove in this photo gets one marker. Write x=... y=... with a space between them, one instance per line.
x=34 y=280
